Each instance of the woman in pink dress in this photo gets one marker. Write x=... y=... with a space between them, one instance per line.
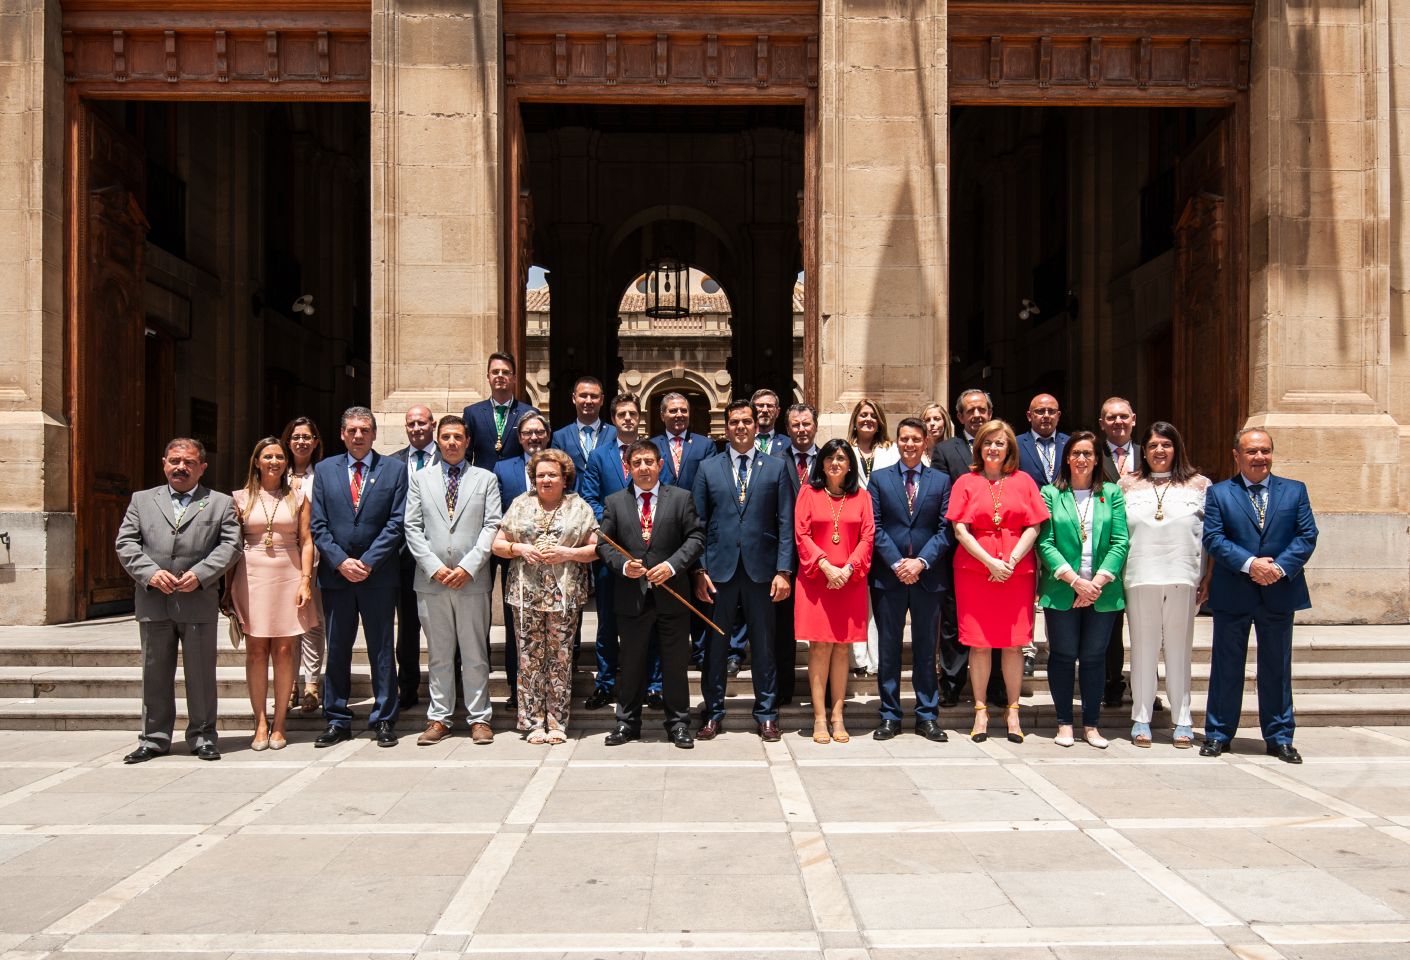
x=271 y=586
x=996 y=512
x=833 y=526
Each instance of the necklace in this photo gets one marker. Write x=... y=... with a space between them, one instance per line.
x=1083 y=516
x=836 y=507
x=268 y=539
x=545 y=539
x=1161 y=489
x=867 y=459
x=996 y=494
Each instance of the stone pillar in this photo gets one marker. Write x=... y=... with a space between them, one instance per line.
x=436 y=205
x=37 y=566
x=883 y=145
x=1320 y=305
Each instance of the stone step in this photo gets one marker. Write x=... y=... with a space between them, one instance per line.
x=123 y=713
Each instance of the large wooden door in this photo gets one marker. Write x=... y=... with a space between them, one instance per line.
x=1210 y=335
x=107 y=386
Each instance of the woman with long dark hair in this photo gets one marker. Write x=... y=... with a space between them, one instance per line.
x=305 y=445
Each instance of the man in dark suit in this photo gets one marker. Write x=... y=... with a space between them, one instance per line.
x=746 y=503
x=1260 y=533
x=1040 y=447
x=419 y=453
x=681 y=451
x=658 y=527
x=802 y=425
x=770 y=439
x=492 y=422
x=581 y=437
x=908 y=502
x=609 y=471
x=175 y=541
x=531 y=432
x=359 y=502
x=973 y=409
x=1120 y=455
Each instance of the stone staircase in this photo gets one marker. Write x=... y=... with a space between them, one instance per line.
x=87 y=676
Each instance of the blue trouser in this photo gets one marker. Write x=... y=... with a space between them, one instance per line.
x=607 y=644
x=1077 y=641
x=1226 y=675
x=741 y=593
x=889 y=606
x=341 y=609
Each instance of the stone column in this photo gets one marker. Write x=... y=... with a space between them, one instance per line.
x=883 y=148
x=436 y=205
x=37 y=567
x=1320 y=306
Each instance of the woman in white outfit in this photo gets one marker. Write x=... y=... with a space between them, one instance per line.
x=1166 y=577
x=870 y=439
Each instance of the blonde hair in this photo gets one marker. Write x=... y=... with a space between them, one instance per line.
x=976 y=462
x=883 y=435
x=252 y=477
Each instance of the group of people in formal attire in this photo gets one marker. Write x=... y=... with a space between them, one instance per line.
x=719 y=557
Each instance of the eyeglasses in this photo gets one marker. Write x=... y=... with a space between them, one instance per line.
x=1045 y=412
x=533 y=433
x=301 y=438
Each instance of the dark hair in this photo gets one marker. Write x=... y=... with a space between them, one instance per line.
x=807 y=408
x=1181 y=470
x=532 y=415
x=590 y=381
x=915 y=423
x=451 y=420
x=641 y=446
x=959 y=401
x=312 y=428
x=506 y=357
x=734 y=405
x=190 y=442
x=357 y=413
x=818 y=480
x=622 y=399
x=252 y=478
x=882 y=438
x=1063 y=480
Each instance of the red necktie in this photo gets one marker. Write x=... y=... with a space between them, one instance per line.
x=1121 y=460
x=646 y=517
x=626 y=466
x=911 y=491
x=356 y=486
x=802 y=468
x=676 y=444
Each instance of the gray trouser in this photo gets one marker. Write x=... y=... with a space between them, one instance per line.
x=451 y=619
x=159 y=643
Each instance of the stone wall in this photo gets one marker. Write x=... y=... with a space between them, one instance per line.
x=36 y=569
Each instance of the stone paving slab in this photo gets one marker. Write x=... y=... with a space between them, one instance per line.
x=737 y=850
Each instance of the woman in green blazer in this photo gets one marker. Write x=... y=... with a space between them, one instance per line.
x=1083 y=548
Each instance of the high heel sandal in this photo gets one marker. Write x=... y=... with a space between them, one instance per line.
x=839 y=733
x=824 y=736
x=1014 y=737
x=975 y=734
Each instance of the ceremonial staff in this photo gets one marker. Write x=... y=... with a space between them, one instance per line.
x=664 y=586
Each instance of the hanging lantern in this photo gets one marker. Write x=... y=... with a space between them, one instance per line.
x=667 y=288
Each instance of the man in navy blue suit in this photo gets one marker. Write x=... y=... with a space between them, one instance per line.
x=744 y=499
x=1260 y=533
x=1040 y=447
x=531 y=433
x=681 y=451
x=770 y=440
x=581 y=437
x=358 y=502
x=908 y=502
x=493 y=423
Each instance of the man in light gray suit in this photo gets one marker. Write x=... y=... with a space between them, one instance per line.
x=452 y=516
x=175 y=541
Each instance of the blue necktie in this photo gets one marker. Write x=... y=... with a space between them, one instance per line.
x=743 y=477
x=588 y=441
x=420 y=459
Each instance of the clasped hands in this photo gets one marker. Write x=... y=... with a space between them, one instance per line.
x=169 y=583
x=452 y=577
x=1265 y=572
x=1087 y=592
x=1000 y=570
x=551 y=553
x=656 y=576
x=908 y=571
x=837 y=577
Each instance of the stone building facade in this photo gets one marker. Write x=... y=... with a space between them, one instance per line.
x=930 y=165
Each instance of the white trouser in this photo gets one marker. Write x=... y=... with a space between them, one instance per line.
x=451 y=618
x=864 y=655
x=1161 y=616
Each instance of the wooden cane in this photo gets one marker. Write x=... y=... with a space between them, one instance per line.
x=664 y=586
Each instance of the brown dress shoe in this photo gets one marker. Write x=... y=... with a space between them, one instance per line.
x=481 y=733
x=708 y=730
x=435 y=733
x=768 y=730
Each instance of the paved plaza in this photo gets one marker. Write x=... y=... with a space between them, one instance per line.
x=737 y=849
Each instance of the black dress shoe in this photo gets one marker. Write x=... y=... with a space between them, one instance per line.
x=732 y=667
x=406 y=703
x=334 y=734
x=623 y=734
x=207 y=751
x=655 y=701
x=598 y=700
x=142 y=754
x=1115 y=694
x=886 y=730
x=386 y=734
x=1030 y=663
x=709 y=730
x=931 y=731
x=1212 y=748
x=1156 y=705
x=768 y=731
x=1285 y=752
x=949 y=698
x=680 y=736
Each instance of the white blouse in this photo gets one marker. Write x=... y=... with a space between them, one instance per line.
x=884 y=456
x=1169 y=550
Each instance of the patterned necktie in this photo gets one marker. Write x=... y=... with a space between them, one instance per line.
x=910 y=491
x=626 y=464
x=1257 y=493
x=356 y=485
x=1049 y=457
x=743 y=477
x=762 y=442
x=802 y=467
x=1120 y=460
x=677 y=450
x=420 y=459
x=452 y=489
x=501 y=414
x=179 y=505
x=646 y=517
x=588 y=441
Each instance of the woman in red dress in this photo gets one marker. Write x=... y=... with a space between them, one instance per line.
x=996 y=512
x=833 y=525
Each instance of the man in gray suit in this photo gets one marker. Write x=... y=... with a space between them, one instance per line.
x=175 y=541
x=452 y=516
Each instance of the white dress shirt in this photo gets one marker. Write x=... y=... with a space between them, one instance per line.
x=655 y=502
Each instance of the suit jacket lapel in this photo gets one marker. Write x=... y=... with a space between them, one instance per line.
x=1276 y=490
x=1100 y=511
x=1241 y=493
x=373 y=469
x=193 y=506
x=754 y=466
x=165 y=504
x=433 y=487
